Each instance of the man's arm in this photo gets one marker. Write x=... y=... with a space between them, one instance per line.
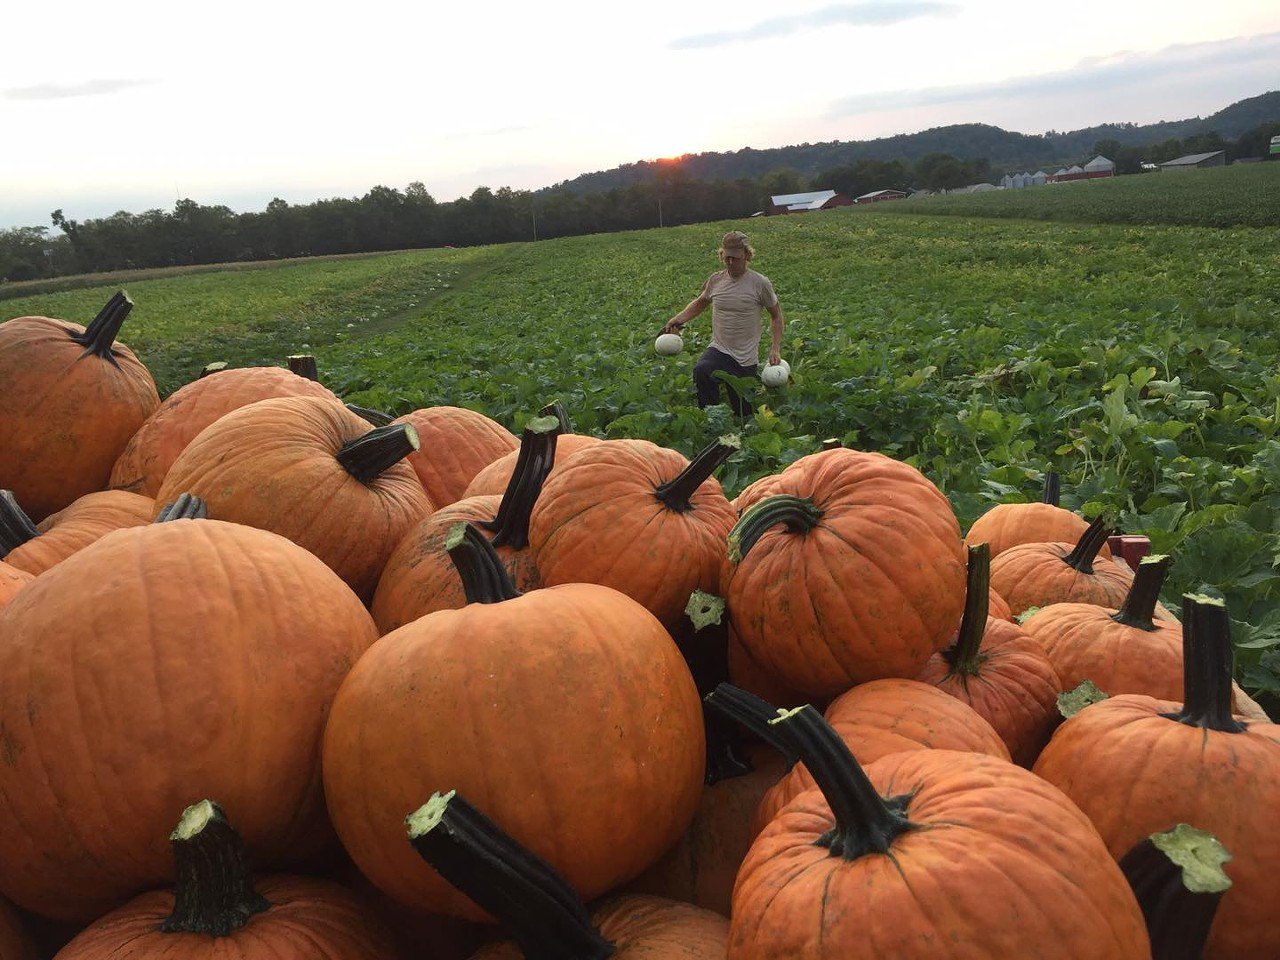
x=691 y=310
x=775 y=333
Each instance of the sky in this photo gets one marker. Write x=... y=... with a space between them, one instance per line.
x=137 y=104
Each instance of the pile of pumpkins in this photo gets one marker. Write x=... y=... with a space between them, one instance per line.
x=298 y=677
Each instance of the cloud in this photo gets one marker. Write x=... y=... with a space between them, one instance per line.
x=65 y=91
x=876 y=13
x=1093 y=75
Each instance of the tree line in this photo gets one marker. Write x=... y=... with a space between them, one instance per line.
x=389 y=219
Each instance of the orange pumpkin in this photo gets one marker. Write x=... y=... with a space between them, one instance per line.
x=310 y=470
x=59 y=535
x=637 y=517
x=998 y=669
x=543 y=912
x=924 y=854
x=1038 y=574
x=1008 y=524
x=852 y=570
x=217 y=910
x=1135 y=764
x=11 y=581
x=574 y=695
x=214 y=650
x=72 y=397
x=142 y=465
x=456 y=445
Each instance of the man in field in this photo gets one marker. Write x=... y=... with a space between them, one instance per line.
x=737 y=296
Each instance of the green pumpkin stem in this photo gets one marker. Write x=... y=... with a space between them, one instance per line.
x=367 y=457
x=536 y=458
x=16 y=527
x=1140 y=603
x=1178 y=881
x=1087 y=547
x=547 y=918
x=105 y=327
x=214 y=894
x=755 y=714
x=798 y=513
x=1052 y=489
x=964 y=656
x=557 y=409
x=217 y=366
x=375 y=417
x=865 y=822
x=304 y=365
x=704 y=642
x=1207 y=660
x=676 y=494
x=484 y=578
x=186 y=507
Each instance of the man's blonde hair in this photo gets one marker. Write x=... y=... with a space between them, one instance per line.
x=736 y=240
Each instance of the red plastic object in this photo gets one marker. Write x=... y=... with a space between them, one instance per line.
x=1130 y=548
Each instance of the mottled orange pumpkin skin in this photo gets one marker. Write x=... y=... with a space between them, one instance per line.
x=11 y=581
x=1036 y=575
x=494 y=478
x=647 y=928
x=81 y=523
x=1134 y=772
x=1005 y=867
x=420 y=578
x=872 y=591
x=308 y=919
x=142 y=465
x=456 y=445
x=891 y=716
x=1015 y=689
x=598 y=521
x=180 y=659
x=567 y=715
x=1009 y=524
x=68 y=415
x=273 y=465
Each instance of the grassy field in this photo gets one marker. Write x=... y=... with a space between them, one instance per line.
x=1241 y=195
x=1140 y=362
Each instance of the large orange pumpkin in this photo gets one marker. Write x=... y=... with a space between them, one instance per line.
x=566 y=713
x=37 y=548
x=925 y=854
x=456 y=445
x=72 y=397
x=998 y=669
x=638 y=517
x=310 y=470
x=163 y=660
x=1038 y=574
x=1009 y=524
x=544 y=914
x=852 y=570
x=142 y=465
x=1136 y=765
x=218 y=910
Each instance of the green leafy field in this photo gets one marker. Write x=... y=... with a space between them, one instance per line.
x=1140 y=362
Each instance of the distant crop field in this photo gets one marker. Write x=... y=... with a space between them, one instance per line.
x=1140 y=362
x=1241 y=195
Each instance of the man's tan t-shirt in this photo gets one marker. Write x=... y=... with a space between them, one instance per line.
x=736 y=305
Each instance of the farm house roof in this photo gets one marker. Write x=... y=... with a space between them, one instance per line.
x=1191 y=159
x=812 y=200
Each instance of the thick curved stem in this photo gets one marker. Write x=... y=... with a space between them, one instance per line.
x=1178 y=880
x=676 y=494
x=1140 y=603
x=186 y=507
x=217 y=366
x=536 y=458
x=705 y=646
x=557 y=409
x=799 y=514
x=375 y=417
x=547 y=918
x=367 y=457
x=214 y=894
x=1087 y=547
x=304 y=365
x=755 y=714
x=1052 y=489
x=865 y=821
x=1207 y=660
x=964 y=656
x=484 y=578
x=104 y=328
x=16 y=527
